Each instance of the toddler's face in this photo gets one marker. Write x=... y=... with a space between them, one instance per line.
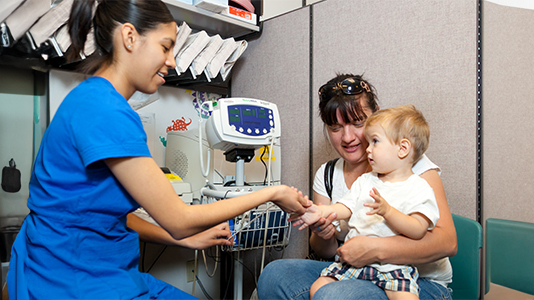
x=381 y=152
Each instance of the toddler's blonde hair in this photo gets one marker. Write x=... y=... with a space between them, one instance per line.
x=403 y=122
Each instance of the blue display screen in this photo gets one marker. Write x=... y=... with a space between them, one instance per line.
x=250 y=119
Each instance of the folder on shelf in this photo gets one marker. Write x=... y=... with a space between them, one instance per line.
x=181 y=36
x=229 y=64
x=194 y=44
x=20 y=21
x=214 y=66
x=50 y=22
x=201 y=61
x=7 y=7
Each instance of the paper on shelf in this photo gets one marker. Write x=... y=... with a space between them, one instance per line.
x=194 y=44
x=50 y=22
x=181 y=36
x=7 y=7
x=206 y=55
x=216 y=6
x=214 y=66
x=229 y=64
x=62 y=38
x=20 y=21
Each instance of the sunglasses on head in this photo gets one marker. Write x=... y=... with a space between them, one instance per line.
x=349 y=86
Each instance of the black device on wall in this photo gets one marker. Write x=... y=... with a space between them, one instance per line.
x=11 y=178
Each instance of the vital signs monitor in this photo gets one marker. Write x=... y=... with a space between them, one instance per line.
x=242 y=123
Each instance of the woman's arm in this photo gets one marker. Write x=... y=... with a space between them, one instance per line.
x=147 y=184
x=438 y=243
x=323 y=241
x=148 y=232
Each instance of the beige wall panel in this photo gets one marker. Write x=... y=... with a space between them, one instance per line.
x=275 y=67
x=508 y=106
x=420 y=52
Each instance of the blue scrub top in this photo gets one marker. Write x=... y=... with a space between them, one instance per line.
x=75 y=242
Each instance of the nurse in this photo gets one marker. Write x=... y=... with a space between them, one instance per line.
x=94 y=168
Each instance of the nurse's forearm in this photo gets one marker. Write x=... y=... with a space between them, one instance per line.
x=149 y=232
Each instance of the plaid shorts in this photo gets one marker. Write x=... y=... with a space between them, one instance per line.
x=404 y=279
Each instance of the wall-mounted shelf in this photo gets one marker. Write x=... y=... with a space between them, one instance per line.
x=211 y=22
x=197 y=18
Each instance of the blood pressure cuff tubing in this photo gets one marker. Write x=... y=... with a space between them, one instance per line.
x=11 y=178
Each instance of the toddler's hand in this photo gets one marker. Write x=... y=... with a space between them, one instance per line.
x=310 y=217
x=380 y=206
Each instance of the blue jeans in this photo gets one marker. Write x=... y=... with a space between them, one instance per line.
x=292 y=279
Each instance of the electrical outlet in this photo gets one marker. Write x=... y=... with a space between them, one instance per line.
x=190 y=269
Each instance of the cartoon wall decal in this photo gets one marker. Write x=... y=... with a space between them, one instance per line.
x=179 y=125
x=163 y=141
x=200 y=102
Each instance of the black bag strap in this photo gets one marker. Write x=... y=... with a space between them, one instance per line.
x=329 y=175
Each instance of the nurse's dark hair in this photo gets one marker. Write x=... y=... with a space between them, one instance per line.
x=349 y=106
x=144 y=15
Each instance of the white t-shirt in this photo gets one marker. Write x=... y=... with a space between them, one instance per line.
x=439 y=271
x=409 y=196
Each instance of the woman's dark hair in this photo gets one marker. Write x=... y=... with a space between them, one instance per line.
x=349 y=106
x=144 y=15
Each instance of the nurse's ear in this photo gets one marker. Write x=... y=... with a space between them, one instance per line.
x=129 y=36
x=405 y=147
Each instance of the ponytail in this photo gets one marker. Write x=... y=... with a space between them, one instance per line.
x=79 y=25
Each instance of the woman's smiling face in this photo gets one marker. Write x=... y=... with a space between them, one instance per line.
x=348 y=139
x=154 y=57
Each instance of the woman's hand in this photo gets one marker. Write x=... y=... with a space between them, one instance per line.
x=324 y=228
x=358 y=251
x=323 y=242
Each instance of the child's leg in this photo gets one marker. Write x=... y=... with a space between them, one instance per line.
x=396 y=295
x=320 y=282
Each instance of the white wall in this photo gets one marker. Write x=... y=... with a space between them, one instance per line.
x=16 y=134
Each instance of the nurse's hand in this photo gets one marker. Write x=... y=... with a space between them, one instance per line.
x=290 y=200
x=217 y=235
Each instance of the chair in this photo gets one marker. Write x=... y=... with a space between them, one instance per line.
x=509 y=254
x=466 y=263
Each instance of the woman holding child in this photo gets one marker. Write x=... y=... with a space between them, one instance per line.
x=345 y=103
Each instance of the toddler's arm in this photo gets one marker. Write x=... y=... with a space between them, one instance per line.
x=310 y=217
x=413 y=226
x=314 y=213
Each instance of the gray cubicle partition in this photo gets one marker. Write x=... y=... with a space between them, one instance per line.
x=424 y=52
x=420 y=52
